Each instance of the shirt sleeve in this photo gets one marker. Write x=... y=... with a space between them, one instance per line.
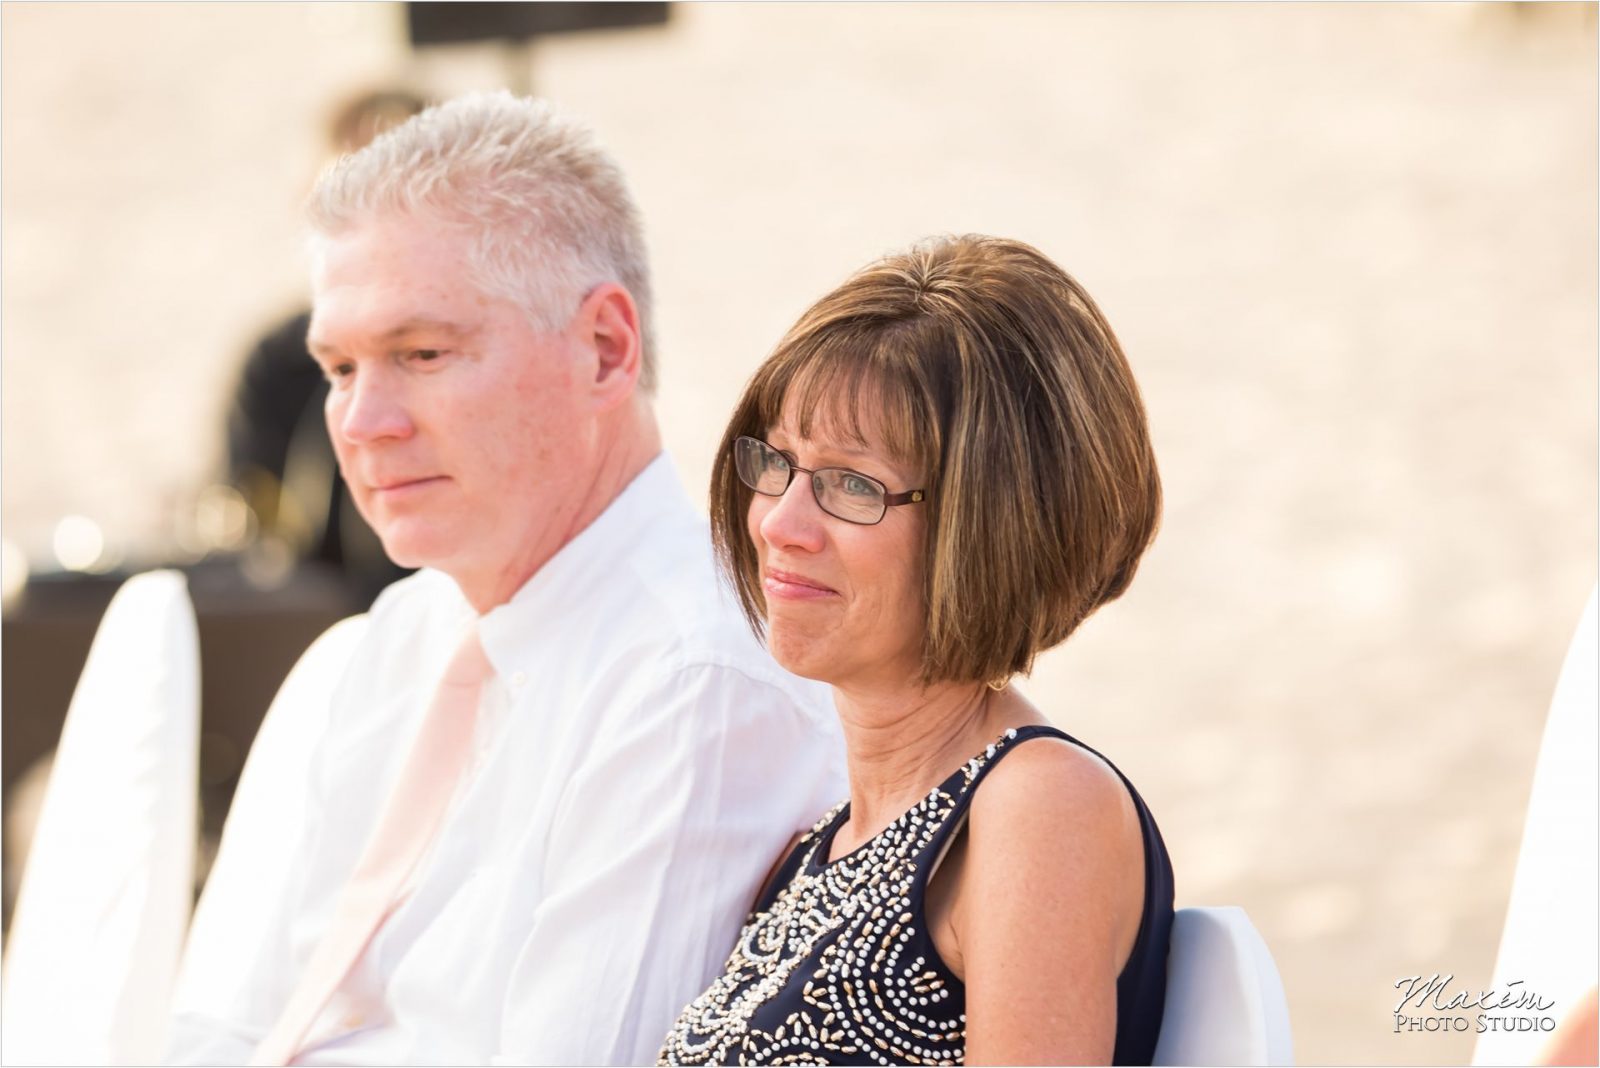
x=659 y=846
x=237 y=966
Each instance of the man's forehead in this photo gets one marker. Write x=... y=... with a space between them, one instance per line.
x=391 y=278
x=387 y=247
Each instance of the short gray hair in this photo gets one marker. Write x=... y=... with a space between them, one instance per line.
x=549 y=211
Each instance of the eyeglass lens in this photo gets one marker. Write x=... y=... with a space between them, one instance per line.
x=843 y=494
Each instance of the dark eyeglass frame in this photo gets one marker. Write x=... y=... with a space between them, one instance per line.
x=890 y=500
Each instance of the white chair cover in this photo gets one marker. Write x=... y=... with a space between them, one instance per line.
x=1549 y=937
x=1225 y=1002
x=109 y=881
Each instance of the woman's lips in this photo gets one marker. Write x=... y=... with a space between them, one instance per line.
x=791 y=587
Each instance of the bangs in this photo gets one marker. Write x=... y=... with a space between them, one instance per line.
x=852 y=387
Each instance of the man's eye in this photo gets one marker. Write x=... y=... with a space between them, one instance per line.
x=338 y=371
x=424 y=355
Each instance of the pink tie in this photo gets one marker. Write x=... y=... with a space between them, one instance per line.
x=404 y=831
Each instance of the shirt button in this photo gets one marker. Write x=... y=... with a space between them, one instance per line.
x=519 y=679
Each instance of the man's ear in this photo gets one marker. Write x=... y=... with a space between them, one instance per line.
x=608 y=321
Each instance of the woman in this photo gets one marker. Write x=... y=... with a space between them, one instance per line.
x=942 y=470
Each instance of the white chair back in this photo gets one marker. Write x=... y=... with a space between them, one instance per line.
x=1549 y=938
x=106 y=893
x=1225 y=1001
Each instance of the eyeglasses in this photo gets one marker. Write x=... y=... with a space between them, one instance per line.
x=842 y=493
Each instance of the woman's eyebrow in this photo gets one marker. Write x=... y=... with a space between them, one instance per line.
x=812 y=445
x=860 y=461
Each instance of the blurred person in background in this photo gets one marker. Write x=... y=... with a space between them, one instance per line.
x=279 y=455
x=942 y=470
x=557 y=764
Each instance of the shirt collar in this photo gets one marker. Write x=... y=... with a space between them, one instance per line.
x=570 y=577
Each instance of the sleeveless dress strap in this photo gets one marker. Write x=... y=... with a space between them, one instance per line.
x=977 y=768
x=1141 y=986
x=796 y=856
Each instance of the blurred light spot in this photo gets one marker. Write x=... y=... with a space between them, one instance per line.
x=222 y=519
x=15 y=575
x=78 y=543
x=269 y=563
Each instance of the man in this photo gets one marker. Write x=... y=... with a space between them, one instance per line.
x=635 y=763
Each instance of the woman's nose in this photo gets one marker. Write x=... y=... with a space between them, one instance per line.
x=794 y=520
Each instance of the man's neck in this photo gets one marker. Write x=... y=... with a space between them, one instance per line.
x=625 y=451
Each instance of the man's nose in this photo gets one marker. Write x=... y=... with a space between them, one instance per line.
x=371 y=408
x=795 y=520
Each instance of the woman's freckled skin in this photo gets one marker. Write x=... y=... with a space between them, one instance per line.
x=874 y=627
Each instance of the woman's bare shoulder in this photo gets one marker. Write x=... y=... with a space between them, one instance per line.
x=1049 y=909
x=1051 y=785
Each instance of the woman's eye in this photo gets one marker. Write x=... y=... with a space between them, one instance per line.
x=857 y=486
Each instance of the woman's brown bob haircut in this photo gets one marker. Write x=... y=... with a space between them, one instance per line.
x=984 y=366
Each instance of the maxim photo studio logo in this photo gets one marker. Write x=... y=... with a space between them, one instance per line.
x=1428 y=1004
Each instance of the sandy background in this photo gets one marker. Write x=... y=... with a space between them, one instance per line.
x=1351 y=251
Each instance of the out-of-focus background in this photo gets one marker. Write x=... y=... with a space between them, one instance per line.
x=1351 y=252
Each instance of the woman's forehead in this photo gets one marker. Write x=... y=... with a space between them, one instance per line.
x=836 y=437
x=836 y=424
x=848 y=405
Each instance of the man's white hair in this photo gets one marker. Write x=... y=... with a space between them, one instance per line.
x=547 y=207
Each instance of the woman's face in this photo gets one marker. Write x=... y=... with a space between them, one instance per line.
x=844 y=601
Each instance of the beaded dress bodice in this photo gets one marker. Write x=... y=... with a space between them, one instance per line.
x=835 y=965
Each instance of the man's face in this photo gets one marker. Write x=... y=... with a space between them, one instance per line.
x=462 y=433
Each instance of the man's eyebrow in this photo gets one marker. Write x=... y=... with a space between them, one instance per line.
x=409 y=328
x=317 y=347
x=428 y=326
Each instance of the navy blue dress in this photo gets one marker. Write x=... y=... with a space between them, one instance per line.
x=835 y=964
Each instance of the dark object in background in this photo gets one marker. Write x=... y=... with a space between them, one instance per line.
x=367 y=114
x=454 y=23
x=279 y=456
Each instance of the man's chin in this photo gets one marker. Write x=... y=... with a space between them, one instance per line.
x=416 y=548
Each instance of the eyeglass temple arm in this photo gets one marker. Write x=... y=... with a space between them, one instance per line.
x=908 y=497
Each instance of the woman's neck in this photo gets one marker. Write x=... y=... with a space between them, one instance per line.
x=905 y=740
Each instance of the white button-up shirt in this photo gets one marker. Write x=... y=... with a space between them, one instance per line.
x=640 y=763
